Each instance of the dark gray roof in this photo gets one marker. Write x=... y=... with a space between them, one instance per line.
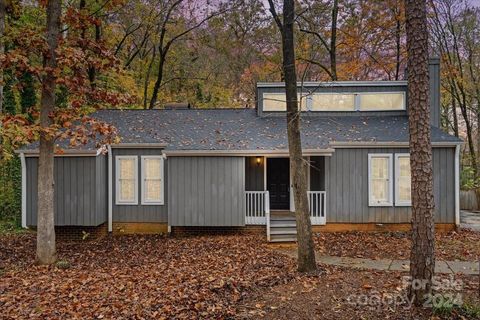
x=242 y=129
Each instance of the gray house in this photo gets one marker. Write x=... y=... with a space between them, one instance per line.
x=186 y=169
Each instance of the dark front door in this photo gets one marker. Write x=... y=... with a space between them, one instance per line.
x=278 y=183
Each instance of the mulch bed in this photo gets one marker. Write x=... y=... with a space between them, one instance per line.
x=463 y=245
x=137 y=277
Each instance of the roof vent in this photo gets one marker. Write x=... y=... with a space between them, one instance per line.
x=177 y=106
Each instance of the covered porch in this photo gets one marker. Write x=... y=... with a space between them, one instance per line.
x=268 y=196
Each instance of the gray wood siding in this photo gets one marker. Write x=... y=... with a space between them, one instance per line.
x=80 y=191
x=139 y=212
x=346 y=177
x=206 y=191
x=254 y=174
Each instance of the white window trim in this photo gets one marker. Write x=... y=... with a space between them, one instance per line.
x=389 y=202
x=398 y=202
x=117 y=181
x=358 y=101
x=162 y=183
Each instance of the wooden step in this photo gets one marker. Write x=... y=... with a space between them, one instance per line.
x=283 y=238
x=282 y=218
x=282 y=224
x=283 y=231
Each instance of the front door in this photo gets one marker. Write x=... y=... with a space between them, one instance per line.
x=278 y=183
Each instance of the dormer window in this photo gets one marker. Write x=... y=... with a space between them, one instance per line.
x=337 y=101
x=332 y=102
x=382 y=101
x=277 y=101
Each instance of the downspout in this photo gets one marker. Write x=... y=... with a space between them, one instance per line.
x=457 y=185
x=24 y=190
x=110 y=176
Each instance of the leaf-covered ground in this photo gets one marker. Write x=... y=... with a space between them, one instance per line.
x=345 y=294
x=219 y=277
x=463 y=245
x=137 y=277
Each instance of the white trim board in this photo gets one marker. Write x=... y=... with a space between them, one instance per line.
x=117 y=180
x=245 y=153
x=24 y=190
x=110 y=190
x=400 y=203
x=336 y=84
x=389 y=201
x=386 y=144
x=144 y=201
x=457 y=185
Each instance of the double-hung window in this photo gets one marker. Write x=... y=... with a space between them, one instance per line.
x=403 y=181
x=126 y=184
x=152 y=180
x=380 y=182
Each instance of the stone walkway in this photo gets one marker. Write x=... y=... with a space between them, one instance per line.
x=470 y=220
x=448 y=267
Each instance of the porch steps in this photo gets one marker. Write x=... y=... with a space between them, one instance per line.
x=283 y=226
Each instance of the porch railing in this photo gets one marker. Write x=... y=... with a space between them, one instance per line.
x=257 y=207
x=317 y=205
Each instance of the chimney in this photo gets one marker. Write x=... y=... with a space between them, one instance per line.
x=177 y=106
x=434 y=75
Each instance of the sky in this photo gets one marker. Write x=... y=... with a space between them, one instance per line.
x=475 y=2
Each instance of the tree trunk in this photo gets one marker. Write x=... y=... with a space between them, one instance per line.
x=2 y=46
x=46 y=251
x=422 y=257
x=306 y=253
x=333 y=41
x=92 y=71
x=454 y=113
x=398 y=39
x=156 y=87
x=147 y=79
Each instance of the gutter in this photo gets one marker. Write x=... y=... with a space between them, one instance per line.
x=392 y=144
x=65 y=153
x=243 y=153
x=139 y=145
x=24 y=190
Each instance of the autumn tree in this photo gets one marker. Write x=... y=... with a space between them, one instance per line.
x=46 y=250
x=61 y=61
x=306 y=253
x=422 y=256
x=175 y=11
x=455 y=36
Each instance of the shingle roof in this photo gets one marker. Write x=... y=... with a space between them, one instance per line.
x=242 y=129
